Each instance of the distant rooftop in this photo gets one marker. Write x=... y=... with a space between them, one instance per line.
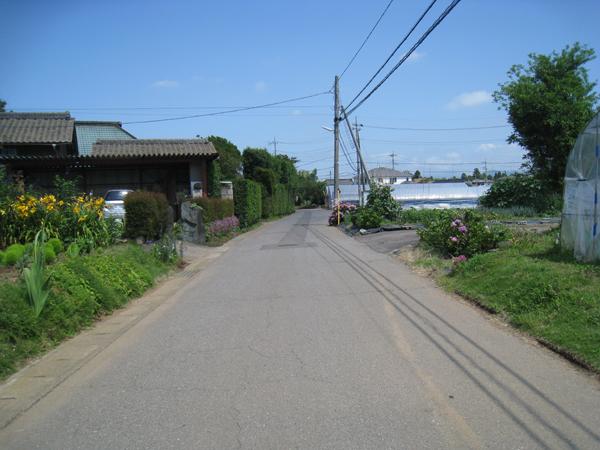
x=36 y=128
x=386 y=172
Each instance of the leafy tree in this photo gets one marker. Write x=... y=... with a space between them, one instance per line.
x=230 y=158
x=463 y=176
x=476 y=173
x=549 y=102
x=2 y=105
x=253 y=158
x=417 y=174
x=310 y=191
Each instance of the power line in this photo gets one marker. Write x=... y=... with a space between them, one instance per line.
x=394 y=52
x=488 y=127
x=407 y=54
x=367 y=38
x=477 y=141
x=345 y=151
x=499 y=163
x=217 y=113
x=152 y=108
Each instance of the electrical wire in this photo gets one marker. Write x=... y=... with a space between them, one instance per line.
x=424 y=36
x=217 y=113
x=367 y=38
x=394 y=52
x=489 y=127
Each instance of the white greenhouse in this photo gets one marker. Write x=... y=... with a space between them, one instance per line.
x=579 y=231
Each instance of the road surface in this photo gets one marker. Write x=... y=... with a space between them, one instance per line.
x=301 y=337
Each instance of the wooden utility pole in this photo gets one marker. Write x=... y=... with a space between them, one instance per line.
x=336 y=138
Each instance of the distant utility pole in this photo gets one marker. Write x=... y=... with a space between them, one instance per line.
x=274 y=142
x=359 y=179
x=336 y=138
x=393 y=155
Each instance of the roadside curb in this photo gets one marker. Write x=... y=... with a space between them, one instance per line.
x=33 y=382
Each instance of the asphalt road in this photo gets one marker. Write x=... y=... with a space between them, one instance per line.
x=301 y=337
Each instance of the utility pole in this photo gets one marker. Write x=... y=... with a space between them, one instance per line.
x=274 y=142
x=336 y=138
x=393 y=155
x=359 y=179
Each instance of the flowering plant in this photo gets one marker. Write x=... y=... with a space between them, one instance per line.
x=223 y=226
x=80 y=217
x=462 y=235
x=344 y=208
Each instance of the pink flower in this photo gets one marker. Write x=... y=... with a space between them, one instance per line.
x=462 y=229
x=454 y=239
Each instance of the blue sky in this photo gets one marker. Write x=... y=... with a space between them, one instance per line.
x=100 y=60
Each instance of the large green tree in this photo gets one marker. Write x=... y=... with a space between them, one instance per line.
x=230 y=158
x=549 y=102
x=2 y=105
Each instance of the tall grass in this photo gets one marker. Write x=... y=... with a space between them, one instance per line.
x=35 y=276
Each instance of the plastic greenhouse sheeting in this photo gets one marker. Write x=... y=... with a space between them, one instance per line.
x=580 y=231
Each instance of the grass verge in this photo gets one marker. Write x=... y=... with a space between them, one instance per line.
x=83 y=288
x=533 y=286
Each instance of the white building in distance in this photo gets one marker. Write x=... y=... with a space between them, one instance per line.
x=386 y=176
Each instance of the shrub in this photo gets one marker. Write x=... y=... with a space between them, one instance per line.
x=519 y=190
x=146 y=214
x=14 y=254
x=381 y=201
x=366 y=218
x=49 y=254
x=247 y=199
x=1 y=257
x=165 y=249
x=214 y=208
x=462 y=234
x=73 y=250
x=214 y=179
x=56 y=245
x=344 y=209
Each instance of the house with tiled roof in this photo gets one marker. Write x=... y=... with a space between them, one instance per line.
x=102 y=155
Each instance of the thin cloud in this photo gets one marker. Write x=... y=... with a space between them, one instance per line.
x=260 y=86
x=169 y=84
x=415 y=56
x=487 y=147
x=470 y=99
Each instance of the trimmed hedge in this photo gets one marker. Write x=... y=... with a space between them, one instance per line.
x=214 y=208
x=278 y=204
x=247 y=199
x=81 y=290
x=146 y=214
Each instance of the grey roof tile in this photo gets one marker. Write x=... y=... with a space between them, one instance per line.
x=153 y=147
x=36 y=128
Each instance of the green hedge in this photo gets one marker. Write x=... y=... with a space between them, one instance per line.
x=82 y=288
x=247 y=199
x=146 y=215
x=278 y=204
x=214 y=208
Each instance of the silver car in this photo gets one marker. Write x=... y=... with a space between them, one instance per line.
x=114 y=203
